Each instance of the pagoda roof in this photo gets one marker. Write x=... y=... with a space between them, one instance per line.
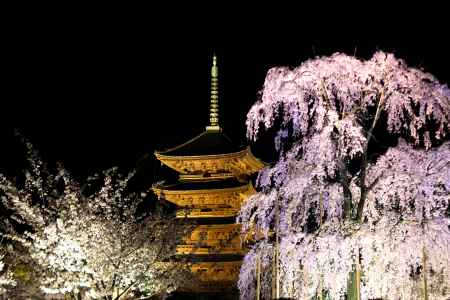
x=204 y=185
x=214 y=195
x=212 y=154
x=206 y=143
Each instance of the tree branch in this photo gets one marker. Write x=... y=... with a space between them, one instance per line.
x=365 y=161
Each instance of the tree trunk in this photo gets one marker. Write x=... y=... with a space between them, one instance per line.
x=258 y=277
x=354 y=284
x=345 y=182
x=321 y=208
x=348 y=207
x=363 y=186
x=320 y=292
x=358 y=281
x=275 y=272
x=425 y=285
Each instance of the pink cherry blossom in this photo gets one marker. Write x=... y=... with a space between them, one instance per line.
x=345 y=200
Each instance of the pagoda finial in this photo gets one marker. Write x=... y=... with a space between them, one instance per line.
x=214 y=106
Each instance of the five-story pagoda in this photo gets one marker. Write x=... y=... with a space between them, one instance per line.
x=213 y=183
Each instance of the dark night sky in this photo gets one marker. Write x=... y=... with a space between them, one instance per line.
x=97 y=91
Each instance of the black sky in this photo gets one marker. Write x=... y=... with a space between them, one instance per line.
x=101 y=90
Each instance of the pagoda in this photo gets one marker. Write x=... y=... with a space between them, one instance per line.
x=213 y=183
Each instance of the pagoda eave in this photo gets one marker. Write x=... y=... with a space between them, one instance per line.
x=163 y=189
x=218 y=250
x=213 y=240
x=208 y=198
x=210 y=213
x=241 y=162
x=213 y=271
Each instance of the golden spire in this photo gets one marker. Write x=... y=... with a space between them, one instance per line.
x=214 y=106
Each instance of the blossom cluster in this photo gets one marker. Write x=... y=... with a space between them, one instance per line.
x=93 y=239
x=327 y=90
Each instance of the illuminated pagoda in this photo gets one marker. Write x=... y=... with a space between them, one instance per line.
x=213 y=183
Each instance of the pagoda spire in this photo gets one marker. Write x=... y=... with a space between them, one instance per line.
x=214 y=106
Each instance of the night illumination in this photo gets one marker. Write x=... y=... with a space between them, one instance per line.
x=353 y=201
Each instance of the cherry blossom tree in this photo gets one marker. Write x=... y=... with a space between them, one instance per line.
x=92 y=241
x=362 y=183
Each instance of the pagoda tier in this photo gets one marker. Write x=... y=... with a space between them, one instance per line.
x=213 y=240
x=211 y=275
x=217 y=271
x=222 y=160
x=220 y=198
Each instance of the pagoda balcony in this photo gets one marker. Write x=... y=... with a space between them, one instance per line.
x=213 y=239
x=222 y=233
x=223 y=165
x=207 y=213
x=211 y=195
x=217 y=271
x=210 y=249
